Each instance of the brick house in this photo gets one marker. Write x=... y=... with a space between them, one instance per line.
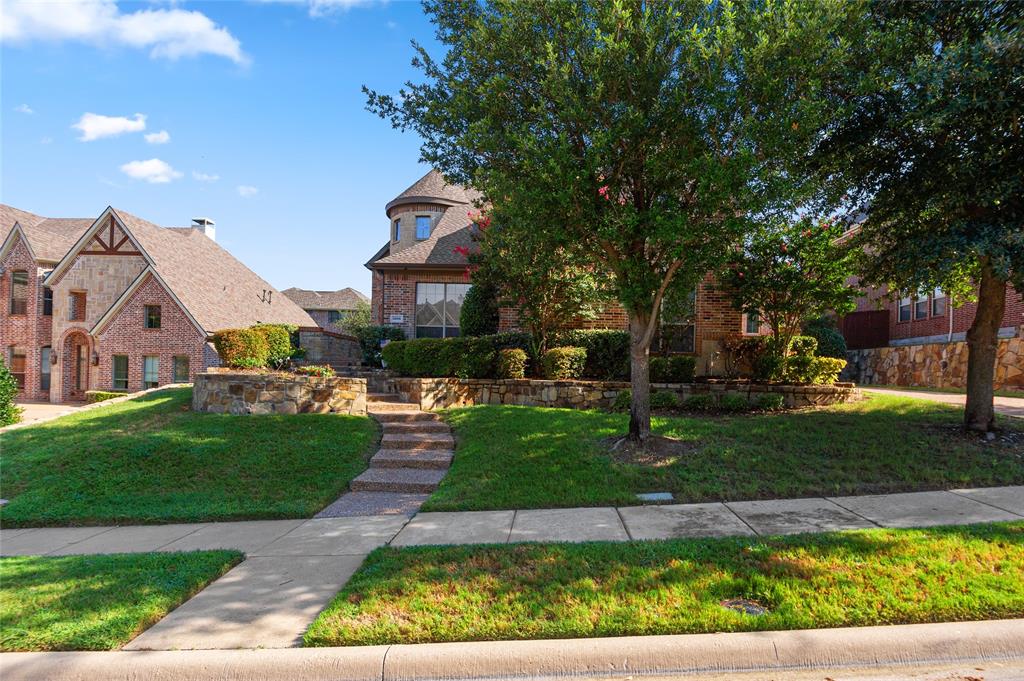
x=327 y=308
x=119 y=303
x=420 y=280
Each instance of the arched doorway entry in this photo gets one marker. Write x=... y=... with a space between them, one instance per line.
x=75 y=366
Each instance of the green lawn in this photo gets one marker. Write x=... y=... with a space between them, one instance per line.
x=539 y=591
x=97 y=602
x=152 y=460
x=529 y=457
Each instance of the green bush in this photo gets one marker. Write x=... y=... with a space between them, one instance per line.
x=369 y=341
x=479 y=315
x=769 y=367
x=93 y=396
x=459 y=357
x=803 y=346
x=830 y=342
x=607 y=352
x=315 y=370
x=279 y=342
x=511 y=363
x=673 y=369
x=771 y=402
x=664 y=399
x=700 y=402
x=9 y=412
x=242 y=348
x=814 y=370
x=564 y=363
x=734 y=403
x=623 y=401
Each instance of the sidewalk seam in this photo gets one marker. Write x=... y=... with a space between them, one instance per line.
x=740 y=518
x=999 y=508
x=850 y=510
x=618 y=512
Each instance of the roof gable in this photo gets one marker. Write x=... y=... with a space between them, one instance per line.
x=342 y=299
x=439 y=249
x=48 y=238
x=434 y=188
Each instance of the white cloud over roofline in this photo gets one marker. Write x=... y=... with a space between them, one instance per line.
x=153 y=171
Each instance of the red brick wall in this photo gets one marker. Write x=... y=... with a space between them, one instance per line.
x=127 y=335
x=30 y=331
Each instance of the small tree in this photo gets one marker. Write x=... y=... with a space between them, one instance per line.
x=9 y=412
x=790 y=273
x=479 y=315
x=357 y=318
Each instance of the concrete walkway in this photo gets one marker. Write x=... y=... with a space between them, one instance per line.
x=1007 y=406
x=294 y=567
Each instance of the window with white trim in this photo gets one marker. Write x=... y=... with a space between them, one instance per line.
x=904 y=309
x=938 y=302
x=398 y=230
x=438 y=307
x=752 y=324
x=119 y=372
x=921 y=305
x=150 y=371
x=19 y=292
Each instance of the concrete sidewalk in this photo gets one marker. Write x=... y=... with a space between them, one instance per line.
x=1007 y=406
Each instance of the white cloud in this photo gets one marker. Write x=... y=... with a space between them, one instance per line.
x=204 y=177
x=162 y=137
x=245 y=190
x=24 y=108
x=95 y=126
x=322 y=8
x=166 y=33
x=153 y=171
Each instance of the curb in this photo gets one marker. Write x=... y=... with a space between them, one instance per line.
x=847 y=648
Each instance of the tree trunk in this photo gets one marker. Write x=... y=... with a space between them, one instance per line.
x=640 y=379
x=982 y=342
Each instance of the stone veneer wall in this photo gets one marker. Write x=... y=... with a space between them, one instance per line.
x=441 y=393
x=934 y=365
x=327 y=347
x=277 y=393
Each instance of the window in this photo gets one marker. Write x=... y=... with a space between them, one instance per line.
x=76 y=306
x=47 y=301
x=398 y=230
x=119 y=372
x=17 y=365
x=752 y=325
x=438 y=307
x=333 y=316
x=150 y=372
x=181 y=369
x=677 y=332
x=422 y=226
x=152 y=316
x=19 y=292
x=938 y=303
x=921 y=306
x=904 y=312
x=44 y=367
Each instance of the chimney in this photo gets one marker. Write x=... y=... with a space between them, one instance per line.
x=206 y=226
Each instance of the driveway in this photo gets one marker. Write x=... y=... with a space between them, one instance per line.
x=1007 y=406
x=44 y=411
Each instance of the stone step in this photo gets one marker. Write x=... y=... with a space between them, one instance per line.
x=417 y=441
x=383 y=397
x=408 y=480
x=421 y=426
x=404 y=416
x=412 y=458
x=378 y=407
x=374 y=503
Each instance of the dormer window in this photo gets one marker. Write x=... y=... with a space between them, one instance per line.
x=398 y=230
x=422 y=227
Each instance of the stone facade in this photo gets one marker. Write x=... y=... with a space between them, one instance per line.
x=336 y=350
x=933 y=365
x=443 y=393
x=277 y=393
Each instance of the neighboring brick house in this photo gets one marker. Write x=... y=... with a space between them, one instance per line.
x=327 y=308
x=119 y=303
x=420 y=280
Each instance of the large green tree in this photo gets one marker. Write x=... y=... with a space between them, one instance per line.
x=927 y=135
x=646 y=134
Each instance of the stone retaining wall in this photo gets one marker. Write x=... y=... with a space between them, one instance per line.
x=277 y=393
x=933 y=365
x=441 y=393
x=327 y=347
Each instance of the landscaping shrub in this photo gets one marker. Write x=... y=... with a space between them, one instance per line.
x=459 y=357
x=769 y=367
x=242 y=348
x=673 y=369
x=607 y=352
x=370 y=338
x=623 y=401
x=814 y=370
x=479 y=315
x=564 y=363
x=279 y=342
x=734 y=403
x=803 y=346
x=511 y=363
x=830 y=342
x=701 y=402
x=322 y=371
x=664 y=399
x=93 y=396
x=771 y=402
x=9 y=412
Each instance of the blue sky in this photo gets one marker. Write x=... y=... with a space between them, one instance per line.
x=266 y=130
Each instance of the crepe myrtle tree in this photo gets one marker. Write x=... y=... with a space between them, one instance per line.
x=644 y=135
x=789 y=272
x=927 y=135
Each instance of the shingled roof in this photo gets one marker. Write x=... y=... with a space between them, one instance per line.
x=452 y=231
x=433 y=188
x=343 y=299
x=49 y=238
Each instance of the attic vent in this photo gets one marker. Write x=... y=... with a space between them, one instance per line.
x=206 y=226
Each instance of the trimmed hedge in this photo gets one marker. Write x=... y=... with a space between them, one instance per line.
x=564 y=363
x=279 y=342
x=814 y=370
x=511 y=363
x=242 y=348
x=673 y=369
x=460 y=357
x=607 y=352
x=830 y=342
x=93 y=396
x=664 y=399
x=9 y=412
